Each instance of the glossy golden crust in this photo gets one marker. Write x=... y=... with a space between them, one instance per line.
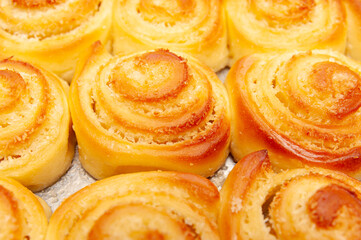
x=36 y=142
x=150 y=110
x=302 y=106
x=151 y=205
x=196 y=27
x=52 y=33
x=263 y=26
x=311 y=203
x=23 y=215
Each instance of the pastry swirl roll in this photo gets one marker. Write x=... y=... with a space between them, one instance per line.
x=23 y=214
x=149 y=110
x=196 y=27
x=305 y=203
x=148 y=205
x=52 y=33
x=304 y=107
x=262 y=26
x=36 y=142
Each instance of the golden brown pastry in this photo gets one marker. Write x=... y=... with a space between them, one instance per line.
x=312 y=203
x=52 y=33
x=261 y=26
x=23 y=214
x=149 y=110
x=196 y=27
x=304 y=107
x=150 y=205
x=36 y=144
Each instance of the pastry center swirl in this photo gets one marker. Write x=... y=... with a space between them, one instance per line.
x=168 y=12
x=281 y=13
x=156 y=91
x=155 y=75
x=325 y=204
x=12 y=85
x=338 y=86
x=41 y=19
x=139 y=222
x=328 y=89
x=329 y=206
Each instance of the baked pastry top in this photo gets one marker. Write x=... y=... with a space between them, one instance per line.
x=23 y=214
x=36 y=140
x=195 y=27
x=303 y=107
x=149 y=110
x=148 y=205
x=53 y=33
x=262 y=26
x=305 y=203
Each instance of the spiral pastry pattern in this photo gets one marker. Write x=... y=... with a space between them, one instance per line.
x=23 y=214
x=36 y=143
x=169 y=206
x=150 y=110
x=311 y=203
x=52 y=33
x=263 y=26
x=304 y=107
x=196 y=27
